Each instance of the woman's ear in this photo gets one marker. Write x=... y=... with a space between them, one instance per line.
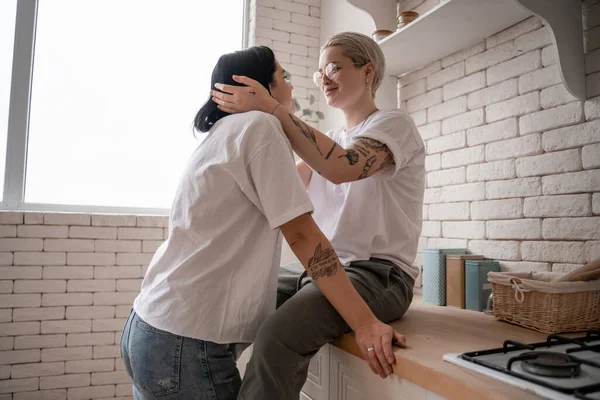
x=369 y=72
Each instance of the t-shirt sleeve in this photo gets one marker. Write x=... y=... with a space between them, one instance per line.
x=273 y=184
x=398 y=133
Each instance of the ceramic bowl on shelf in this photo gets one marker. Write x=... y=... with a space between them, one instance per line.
x=406 y=17
x=381 y=34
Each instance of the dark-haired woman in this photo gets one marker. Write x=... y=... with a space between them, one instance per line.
x=214 y=280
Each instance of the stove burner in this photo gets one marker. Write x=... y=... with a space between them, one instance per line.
x=546 y=363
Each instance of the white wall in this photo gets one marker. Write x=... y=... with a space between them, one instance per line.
x=513 y=170
x=292 y=30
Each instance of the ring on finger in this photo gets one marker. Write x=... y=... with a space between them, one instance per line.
x=370 y=349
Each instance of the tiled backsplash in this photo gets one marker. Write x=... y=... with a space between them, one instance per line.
x=513 y=160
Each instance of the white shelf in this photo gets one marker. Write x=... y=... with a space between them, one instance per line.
x=459 y=24
x=446 y=29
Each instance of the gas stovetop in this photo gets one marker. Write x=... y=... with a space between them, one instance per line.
x=559 y=368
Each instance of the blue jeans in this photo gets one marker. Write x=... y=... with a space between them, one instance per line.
x=165 y=366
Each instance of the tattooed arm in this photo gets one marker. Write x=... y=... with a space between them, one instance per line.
x=315 y=252
x=360 y=160
x=363 y=158
x=319 y=259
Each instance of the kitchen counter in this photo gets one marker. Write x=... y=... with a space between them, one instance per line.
x=433 y=331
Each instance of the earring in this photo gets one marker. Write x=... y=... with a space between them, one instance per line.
x=367 y=81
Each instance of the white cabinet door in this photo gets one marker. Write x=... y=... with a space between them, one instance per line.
x=317 y=382
x=350 y=378
x=303 y=396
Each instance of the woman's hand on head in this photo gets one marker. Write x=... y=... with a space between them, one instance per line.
x=236 y=99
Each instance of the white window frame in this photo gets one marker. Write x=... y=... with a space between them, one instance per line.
x=18 y=120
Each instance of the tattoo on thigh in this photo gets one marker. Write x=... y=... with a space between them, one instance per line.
x=367 y=167
x=323 y=263
x=351 y=155
x=306 y=131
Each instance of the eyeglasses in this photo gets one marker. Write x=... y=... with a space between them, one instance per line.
x=331 y=70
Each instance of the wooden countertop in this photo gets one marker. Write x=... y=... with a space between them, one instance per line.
x=433 y=331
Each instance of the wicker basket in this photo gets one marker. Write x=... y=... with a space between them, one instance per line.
x=532 y=300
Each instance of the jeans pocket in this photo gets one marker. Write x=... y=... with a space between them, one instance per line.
x=155 y=358
x=221 y=363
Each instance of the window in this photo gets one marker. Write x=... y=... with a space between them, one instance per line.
x=8 y=11
x=115 y=87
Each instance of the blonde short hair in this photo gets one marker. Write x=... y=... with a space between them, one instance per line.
x=360 y=49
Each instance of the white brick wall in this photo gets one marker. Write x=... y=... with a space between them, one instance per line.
x=514 y=148
x=505 y=129
x=558 y=206
x=553 y=118
x=515 y=107
x=464 y=86
x=463 y=121
x=493 y=94
x=60 y=322
x=515 y=67
x=491 y=171
x=292 y=30
x=550 y=163
x=513 y=166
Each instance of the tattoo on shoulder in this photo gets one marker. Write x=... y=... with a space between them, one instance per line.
x=372 y=144
x=367 y=167
x=361 y=149
x=351 y=155
x=306 y=131
x=387 y=162
x=323 y=263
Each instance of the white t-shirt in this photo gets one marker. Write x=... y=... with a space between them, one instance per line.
x=380 y=216
x=215 y=277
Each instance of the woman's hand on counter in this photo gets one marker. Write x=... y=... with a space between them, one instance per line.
x=379 y=337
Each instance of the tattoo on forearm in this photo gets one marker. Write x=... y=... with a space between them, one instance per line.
x=306 y=131
x=367 y=167
x=387 y=162
x=372 y=144
x=330 y=151
x=361 y=150
x=351 y=155
x=324 y=263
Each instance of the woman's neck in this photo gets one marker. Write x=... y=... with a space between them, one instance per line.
x=356 y=115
